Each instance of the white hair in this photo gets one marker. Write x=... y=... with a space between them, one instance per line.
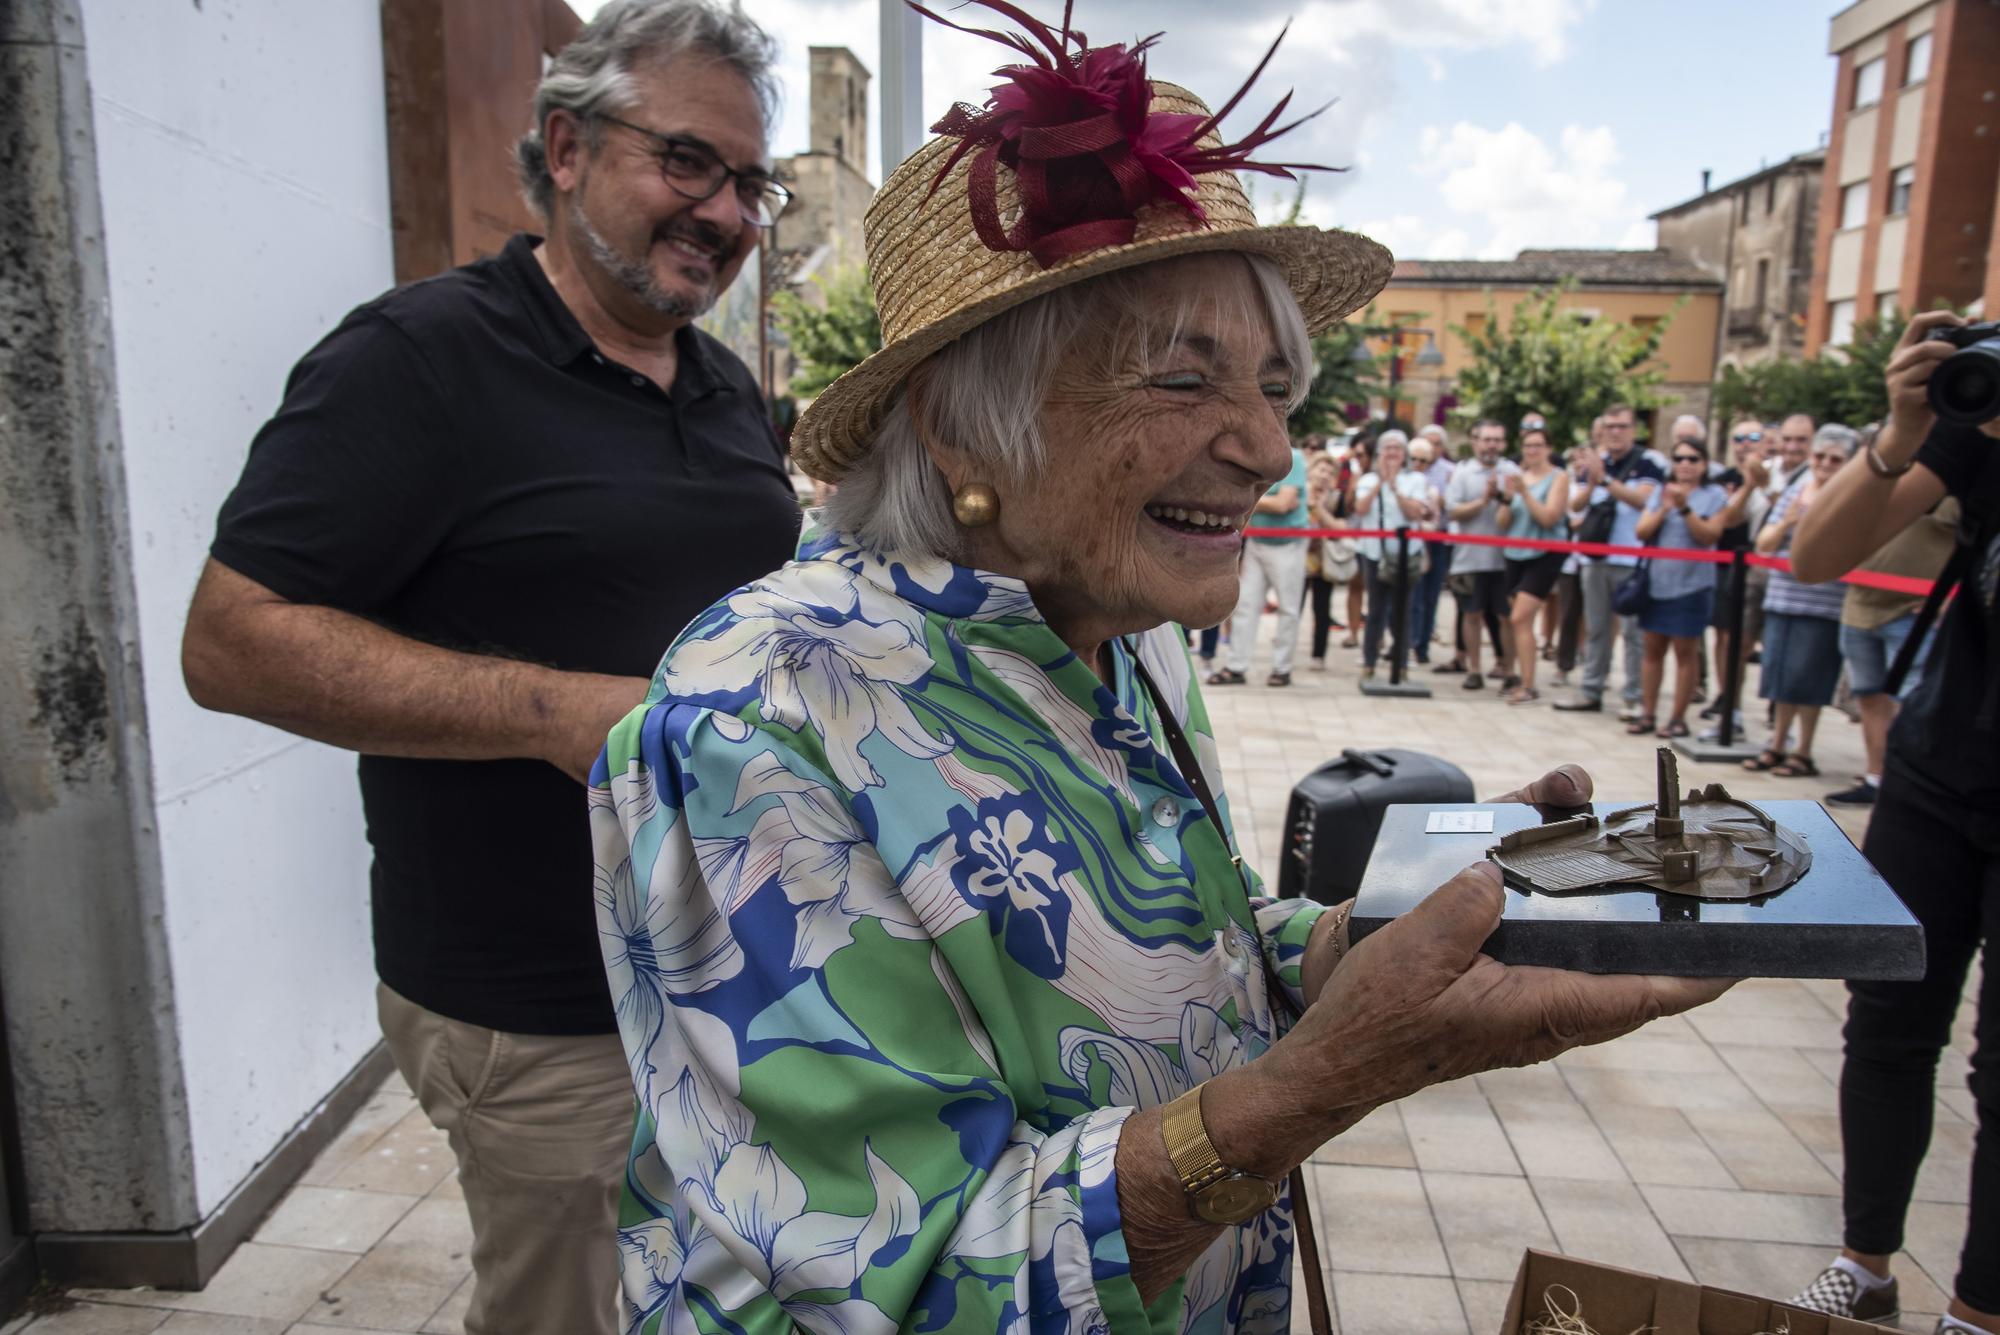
x=592 y=76
x=1690 y=427
x=1843 y=438
x=1393 y=436
x=984 y=393
x=1434 y=432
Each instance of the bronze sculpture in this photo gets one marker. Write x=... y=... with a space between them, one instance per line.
x=1707 y=845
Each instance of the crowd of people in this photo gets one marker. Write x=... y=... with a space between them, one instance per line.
x=1554 y=616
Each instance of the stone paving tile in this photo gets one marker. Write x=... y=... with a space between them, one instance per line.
x=1782 y=1078
x=1485 y=1303
x=1453 y=1129
x=260 y=1280
x=1375 y=1304
x=92 y=1319
x=1748 y=1216
x=1377 y=1140
x=1557 y=1139
x=1377 y=1219
x=409 y=1275
x=390 y=1105
x=1486 y=1222
x=410 y=1159
x=1658 y=1145
x=334 y=1219
x=450 y=1318
x=206 y=1323
x=1761 y=1152
x=1608 y=1222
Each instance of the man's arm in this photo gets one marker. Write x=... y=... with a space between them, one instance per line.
x=344 y=680
x=1858 y=510
x=1280 y=502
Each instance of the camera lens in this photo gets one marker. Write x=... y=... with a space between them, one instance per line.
x=1966 y=386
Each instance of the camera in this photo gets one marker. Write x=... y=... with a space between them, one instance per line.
x=1965 y=388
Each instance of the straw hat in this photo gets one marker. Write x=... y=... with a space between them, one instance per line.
x=935 y=278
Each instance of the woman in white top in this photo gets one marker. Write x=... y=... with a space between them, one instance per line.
x=1393 y=496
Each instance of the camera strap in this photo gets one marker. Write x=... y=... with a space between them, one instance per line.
x=1318 y=1313
x=1978 y=524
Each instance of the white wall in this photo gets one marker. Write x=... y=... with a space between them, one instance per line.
x=242 y=153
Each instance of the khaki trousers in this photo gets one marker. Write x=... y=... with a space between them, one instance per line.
x=541 y=1126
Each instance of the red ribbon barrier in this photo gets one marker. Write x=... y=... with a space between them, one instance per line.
x=1867 y=579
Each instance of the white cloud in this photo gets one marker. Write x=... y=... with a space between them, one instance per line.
x=1524 y=193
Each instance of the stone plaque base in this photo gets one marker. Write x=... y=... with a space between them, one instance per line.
x=1840 y=921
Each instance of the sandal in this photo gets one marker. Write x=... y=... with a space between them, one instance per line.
x=1796 y=766
x=1765 y=759
x=1350 y=643
x=1278 y=679
x=1640 y=727
x=1675 y=729
x=1226 y=677
x=1524 y=695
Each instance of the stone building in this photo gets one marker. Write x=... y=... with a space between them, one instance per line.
x=1635 y=287
x=1756 y=234
x=820 y=234
x=1912 y=176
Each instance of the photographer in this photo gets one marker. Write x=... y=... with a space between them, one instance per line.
x=1933 y=837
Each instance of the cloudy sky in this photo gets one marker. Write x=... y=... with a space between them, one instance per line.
x=1470 y=128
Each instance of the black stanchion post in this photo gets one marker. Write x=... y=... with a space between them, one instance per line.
x=1732 y=671
x=1399 y=624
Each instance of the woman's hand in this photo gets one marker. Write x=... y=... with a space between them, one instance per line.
x=1675 y=495
x=1416 y=1004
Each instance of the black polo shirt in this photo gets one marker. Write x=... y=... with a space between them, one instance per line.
x=458 y=462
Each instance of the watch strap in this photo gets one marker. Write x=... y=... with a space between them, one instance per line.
x=1188 y=1147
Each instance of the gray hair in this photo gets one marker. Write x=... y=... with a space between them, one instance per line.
x=1844 y=438
x=593 y=74
x=984 y=393
x=1393 y=436
x=1693 y=428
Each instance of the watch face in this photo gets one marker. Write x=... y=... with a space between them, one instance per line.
x=1235 y=1199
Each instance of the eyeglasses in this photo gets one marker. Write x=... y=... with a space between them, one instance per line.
x=1690 y=459
x=1747 y=437
x=696 y=173
x=1829 y=458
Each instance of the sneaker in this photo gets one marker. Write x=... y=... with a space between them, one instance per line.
x=1837 y=1293
x=1862 y=794
x=1583 y=704
x=1631 y=713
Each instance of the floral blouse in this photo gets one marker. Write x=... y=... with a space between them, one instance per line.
x=905 y=911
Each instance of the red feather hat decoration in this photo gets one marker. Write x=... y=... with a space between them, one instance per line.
x=1077 y=129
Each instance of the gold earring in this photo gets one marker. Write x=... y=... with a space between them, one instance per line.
x=975 y=505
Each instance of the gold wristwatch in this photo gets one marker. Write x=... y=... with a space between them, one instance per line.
x=1215 y=1191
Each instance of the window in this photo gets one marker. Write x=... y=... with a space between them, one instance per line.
x=1917 y=59
x=1901 y=181
x=1770 y=196
x=1885 y=306
x=1840 y=323
x=1763 y=285
x=1853 y=205
x=1644 y=325
x=1745 y=198
x=1868 y=83
x=1475 y=323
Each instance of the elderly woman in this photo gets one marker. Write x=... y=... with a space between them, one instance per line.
x=1801 y=665
x=947 y=1000
x=1392 y=496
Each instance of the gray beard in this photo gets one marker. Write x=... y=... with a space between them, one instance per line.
x=635 y=276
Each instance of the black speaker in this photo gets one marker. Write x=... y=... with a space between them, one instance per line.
x=1331 y=821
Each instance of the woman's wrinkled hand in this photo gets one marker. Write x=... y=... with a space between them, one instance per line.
x=1416 y=1003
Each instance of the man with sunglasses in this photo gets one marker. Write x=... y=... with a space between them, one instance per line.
x=486 y=505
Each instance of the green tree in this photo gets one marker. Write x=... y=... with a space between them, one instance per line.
x=828 y=341
x=1549 y=362
x=1840 y=385
x=1339 y=377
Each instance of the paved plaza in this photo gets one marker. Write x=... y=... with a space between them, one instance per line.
x=1705 y=1147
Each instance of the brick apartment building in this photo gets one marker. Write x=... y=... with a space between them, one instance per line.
x=1912 y=181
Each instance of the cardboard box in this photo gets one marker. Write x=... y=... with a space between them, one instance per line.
x=1620 y=1302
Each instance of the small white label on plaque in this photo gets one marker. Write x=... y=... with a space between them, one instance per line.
x=1459 y=822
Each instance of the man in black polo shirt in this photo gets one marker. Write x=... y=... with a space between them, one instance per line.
x=486 y=505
